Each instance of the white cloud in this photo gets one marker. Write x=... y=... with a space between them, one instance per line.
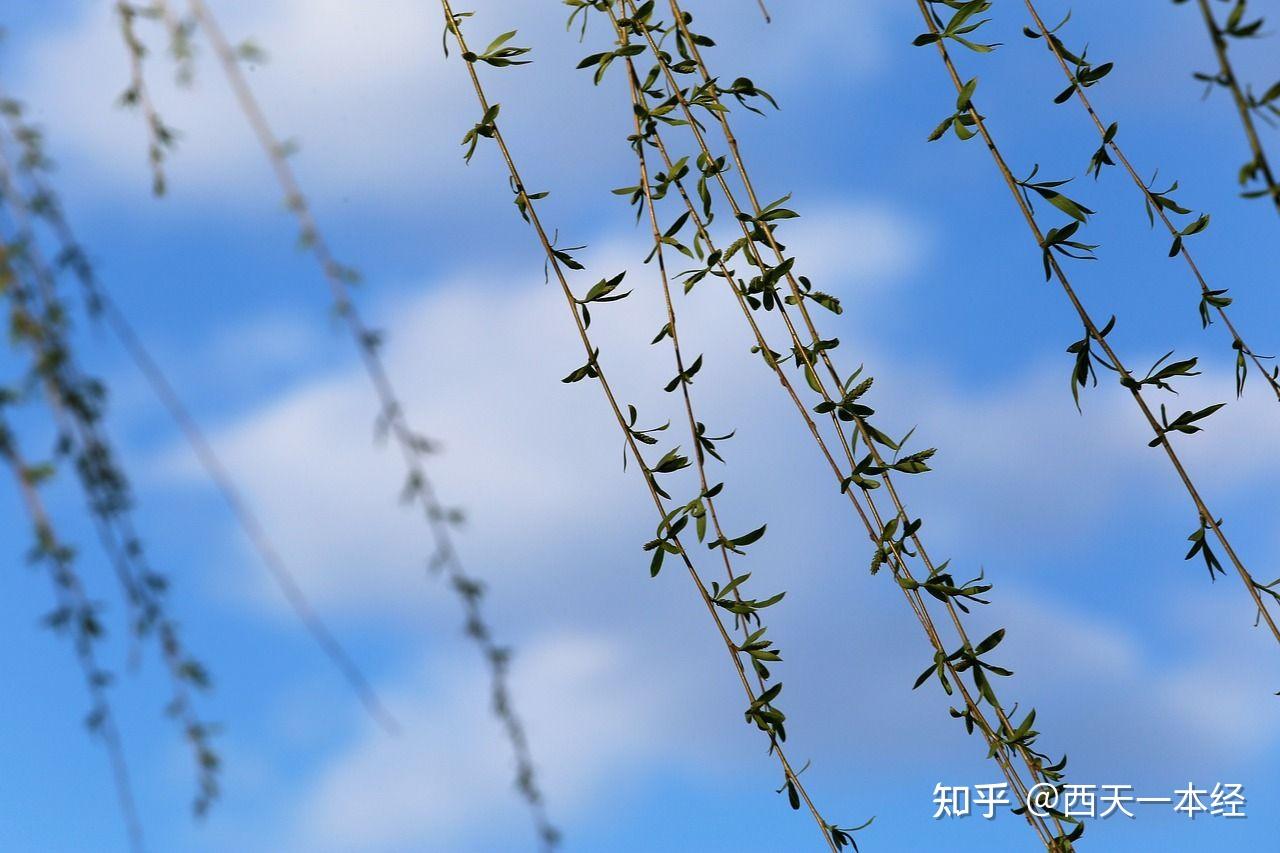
x=335 y=68
x=556 y=522
x=479 y=367
x=451 y=772
x=476 y=366
x=1211 y=700
x=277 y=341
x=364 y=87
x=863 y=247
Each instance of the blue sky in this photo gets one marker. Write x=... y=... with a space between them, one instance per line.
x=1141 y=670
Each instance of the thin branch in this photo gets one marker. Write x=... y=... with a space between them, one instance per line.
x=527 y=205
x=1157 y=204
x=160 y=137
x=38 y=320
x=687 y=44
x=44 y=203
x=1207 y=518
x=1259 y=166
x=76 y=614
x=696 y=428
x=393 y=421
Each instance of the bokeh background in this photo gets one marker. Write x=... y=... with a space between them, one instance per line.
x=1143 y=671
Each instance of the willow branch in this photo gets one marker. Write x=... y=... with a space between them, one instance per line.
x=1153 y=204
x=160 y=137
x=38 y=320
x=673 y=333
x=78 y=615
x=554 y=263
x=805 y=354
x=394 y=420
x=1130 y=383
x=1227 y=77
x=102 y=304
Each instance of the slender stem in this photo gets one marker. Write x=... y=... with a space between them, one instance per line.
x=1152 y=202
x=73 y=600
x=722 y=118
x=393 y=417
x=105 y=487
x=159 y=136
x=1209 y=519
x=250 y=523
x=918 y=604
x=914 y=598
x=674 y=334
x=451 y=21
x=1227 y=74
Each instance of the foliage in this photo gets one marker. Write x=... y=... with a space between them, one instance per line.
x=40 y=204
x=1082 y=75
x=1085 y=357
x=1256 y=176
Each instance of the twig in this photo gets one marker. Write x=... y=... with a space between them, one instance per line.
x=160 y=136
x=393 y=420
x=38 y=320
x=763 y=234
x=76 y=613
x=669 y=533
x=1260 y=165
x=1157 y=204
x=1093 y=332
x=102 y=304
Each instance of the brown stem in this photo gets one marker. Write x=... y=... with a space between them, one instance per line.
x=250 y=524
x=1032 y=763
x=1152 y=202
x=159 y=137
x=1227 y=75
x=71 y=596
x=722 y=118
x=392 y=414
x=700 y=460
x=60 y=378
x=914 y=598
x=1092 y=329
x=519 y=186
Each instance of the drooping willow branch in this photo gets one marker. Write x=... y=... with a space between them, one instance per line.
x=872 y=471
x=160 y=137
x=744 y=610
x=1258 y=168
x=1083 y=74
x=181 y=48
x=703 y=444
x=38 y=321
x=762 y=710
x=42 y=202
x=1060 y=242
x=74 y=613
x=763 y=347
x=393 y=422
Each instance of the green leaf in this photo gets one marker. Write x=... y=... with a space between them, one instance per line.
x=749 y=538
x=990 y=642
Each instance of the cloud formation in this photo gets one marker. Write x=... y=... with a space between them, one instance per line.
x=556 y=520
